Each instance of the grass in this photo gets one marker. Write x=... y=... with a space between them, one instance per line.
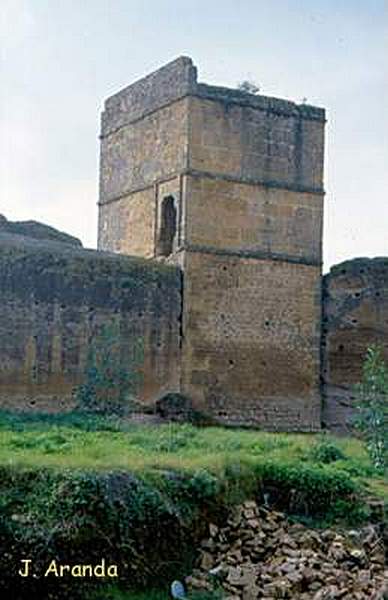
x=83 y=487
x=77 y=441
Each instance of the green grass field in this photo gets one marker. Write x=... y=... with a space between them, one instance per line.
x=84 y=442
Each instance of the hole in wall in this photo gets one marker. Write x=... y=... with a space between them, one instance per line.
x=168 y=226
x=341 y=347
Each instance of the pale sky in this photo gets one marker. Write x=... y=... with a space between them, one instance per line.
x=61 y=58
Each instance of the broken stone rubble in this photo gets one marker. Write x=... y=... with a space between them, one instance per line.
x=259 y=554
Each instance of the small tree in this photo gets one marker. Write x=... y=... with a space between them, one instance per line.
x=248 y=86
x=109 y=382
x=372 y=406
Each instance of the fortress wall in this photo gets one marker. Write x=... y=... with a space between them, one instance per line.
x=251 y=347
x=142 y=152
x=55 y=298
x=144 y=136
x=241 y=217
x=127 y=226
x=167 y=84
x=355 y=315
x=252 y=259
x=133 y=159
x=256 y=139
x=245 y=173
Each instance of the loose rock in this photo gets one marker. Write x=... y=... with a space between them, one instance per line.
x=260 y=555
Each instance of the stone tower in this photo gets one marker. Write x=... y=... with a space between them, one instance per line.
x=228 y=185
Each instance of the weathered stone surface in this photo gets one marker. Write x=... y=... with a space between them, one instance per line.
x=239 y=335
x=251 y=348
x=245 y=176
x=348 y=573
x=39 y=231
x=253 y=220
x=55 y=298
x=167 y=124
x=355 y=316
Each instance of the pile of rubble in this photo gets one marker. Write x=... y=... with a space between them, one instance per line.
x=260 y=555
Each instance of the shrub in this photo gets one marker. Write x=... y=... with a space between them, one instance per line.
x=311 y=491
x=326 y=452
x=372 y=407
x=248 y=86
x=146 y=523
x=109 y=383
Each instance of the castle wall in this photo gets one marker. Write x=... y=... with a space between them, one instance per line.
x=252 y=260
x=237 y=326
x=144 y=139
x=133 y=159
x=251 y=346
x=144 y=151
x=244 y=173
x=56 y=298
x=355 y=316
x=253 y=219
x=256 y=139
x=127 y=226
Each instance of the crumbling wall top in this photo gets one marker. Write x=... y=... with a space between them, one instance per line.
x=178 y=79
x=171 y=82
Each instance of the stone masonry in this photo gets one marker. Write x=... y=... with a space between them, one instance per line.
x=216 y=197
x=243 y=177
x=355 y=316
x=55 y=299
